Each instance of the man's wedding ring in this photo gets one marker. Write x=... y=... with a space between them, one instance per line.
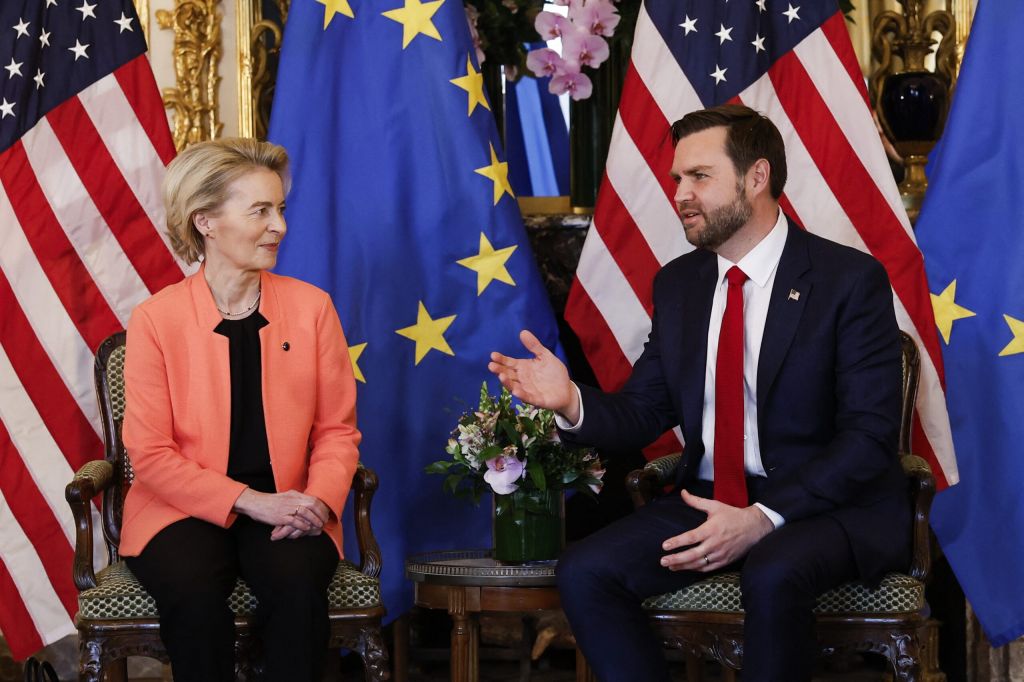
x=707 y=561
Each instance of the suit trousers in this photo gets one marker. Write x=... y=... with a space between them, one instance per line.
x=190 y=569
x=604 y=578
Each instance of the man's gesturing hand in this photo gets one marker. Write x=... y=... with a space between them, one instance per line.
x=726 y=536
x=541 y=380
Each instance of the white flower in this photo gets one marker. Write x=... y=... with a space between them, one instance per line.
x=503 y=472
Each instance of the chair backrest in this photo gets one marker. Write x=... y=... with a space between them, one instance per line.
x=911 y=376
x=109 y=377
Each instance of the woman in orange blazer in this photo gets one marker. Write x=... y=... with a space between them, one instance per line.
x=239 y=423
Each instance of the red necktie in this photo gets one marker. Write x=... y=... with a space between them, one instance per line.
x=730 y=477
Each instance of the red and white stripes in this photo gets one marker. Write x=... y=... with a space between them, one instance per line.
x=81 y=243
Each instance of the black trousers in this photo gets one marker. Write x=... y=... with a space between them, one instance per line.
x=604 y=578
x=190 y=568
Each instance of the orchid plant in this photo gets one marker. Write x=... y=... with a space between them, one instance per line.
x=582 y=31
x=501 y=447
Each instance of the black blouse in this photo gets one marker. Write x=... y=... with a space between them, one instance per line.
x=249 y=455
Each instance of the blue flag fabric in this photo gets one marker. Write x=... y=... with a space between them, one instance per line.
x=401 y=208
x=971 y=231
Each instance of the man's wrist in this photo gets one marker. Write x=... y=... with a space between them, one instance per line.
x=573 y=421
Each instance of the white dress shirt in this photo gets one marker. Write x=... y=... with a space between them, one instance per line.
x=760 y=265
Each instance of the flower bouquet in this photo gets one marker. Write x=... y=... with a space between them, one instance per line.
x=514 y=451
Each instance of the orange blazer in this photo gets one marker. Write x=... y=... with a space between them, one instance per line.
x=178 y=405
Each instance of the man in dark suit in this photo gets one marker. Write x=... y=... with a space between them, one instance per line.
x=777 y=354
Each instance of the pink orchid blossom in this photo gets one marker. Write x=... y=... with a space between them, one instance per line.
x=577 y=84
x=596 y=16
x=544 y=62
x=550 y=25
x=580 y=47
x=503 y=472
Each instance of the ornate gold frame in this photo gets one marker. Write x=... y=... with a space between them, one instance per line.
x=142 y=9
x=197 y=52
x=258 y=40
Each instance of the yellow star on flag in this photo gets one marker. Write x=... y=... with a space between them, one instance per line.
x=1017 y=344
x=332 y=7
x=473 y=83
x=497 y=172
x=947 y=311
x=416 y=18
x=428 y=333
x=489 y=264
x=353 y=355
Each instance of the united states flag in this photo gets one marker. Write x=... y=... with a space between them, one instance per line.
x=83 y=145
x=794 y=62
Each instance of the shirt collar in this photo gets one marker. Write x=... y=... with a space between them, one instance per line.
x=761 y=261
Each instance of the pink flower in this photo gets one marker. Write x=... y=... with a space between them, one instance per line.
x=544 y=62
x=596 y=16
x=550 y=25
x=582 y=48
x=599 y=474
x=577 y=84
x=503 y=472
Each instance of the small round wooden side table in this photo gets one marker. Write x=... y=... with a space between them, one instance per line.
x=469 y=582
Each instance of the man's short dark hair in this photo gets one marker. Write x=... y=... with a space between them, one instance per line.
x=749 y=136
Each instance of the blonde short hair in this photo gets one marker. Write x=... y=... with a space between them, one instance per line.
x=197 y=181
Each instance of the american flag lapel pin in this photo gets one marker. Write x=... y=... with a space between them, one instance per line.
x=794 y=295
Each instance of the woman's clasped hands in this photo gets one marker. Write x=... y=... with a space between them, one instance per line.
x=291 y=514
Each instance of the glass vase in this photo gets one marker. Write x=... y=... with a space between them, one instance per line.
x=529 y=525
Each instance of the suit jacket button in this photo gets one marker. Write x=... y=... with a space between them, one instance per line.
x=285 y=346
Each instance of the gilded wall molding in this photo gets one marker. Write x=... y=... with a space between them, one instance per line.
x=259 y=45
x=963 y=14
x=197 y=52
x=142 y=9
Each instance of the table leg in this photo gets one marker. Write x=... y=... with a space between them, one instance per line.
x=465 y=638
x=400 y=655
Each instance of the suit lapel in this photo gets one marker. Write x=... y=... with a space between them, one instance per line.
x=696 y=315
x=789 y=296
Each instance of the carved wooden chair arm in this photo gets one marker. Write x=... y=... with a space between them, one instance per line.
x=644 y=484
x=92 y=479
x=364 y=485
x=922 y=484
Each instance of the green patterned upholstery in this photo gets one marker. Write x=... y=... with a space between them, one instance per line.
x=897 y=593
x=115 y=378
x=664 y=467
x=118 y=594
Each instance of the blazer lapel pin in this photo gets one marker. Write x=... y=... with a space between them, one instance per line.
x=794 y=295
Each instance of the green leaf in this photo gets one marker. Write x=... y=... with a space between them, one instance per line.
x=536 y=472
x=438 y=467
x=490 y=452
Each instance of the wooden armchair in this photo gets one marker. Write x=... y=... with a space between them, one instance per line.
x=117 y=618
x=706 y=619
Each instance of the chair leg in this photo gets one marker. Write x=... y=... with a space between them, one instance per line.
x=374 y=655
x=904 y=652
x=728 y=674
x=90 y=662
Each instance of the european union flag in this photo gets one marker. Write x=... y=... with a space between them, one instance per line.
x=971 y=232
x=402 y=209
